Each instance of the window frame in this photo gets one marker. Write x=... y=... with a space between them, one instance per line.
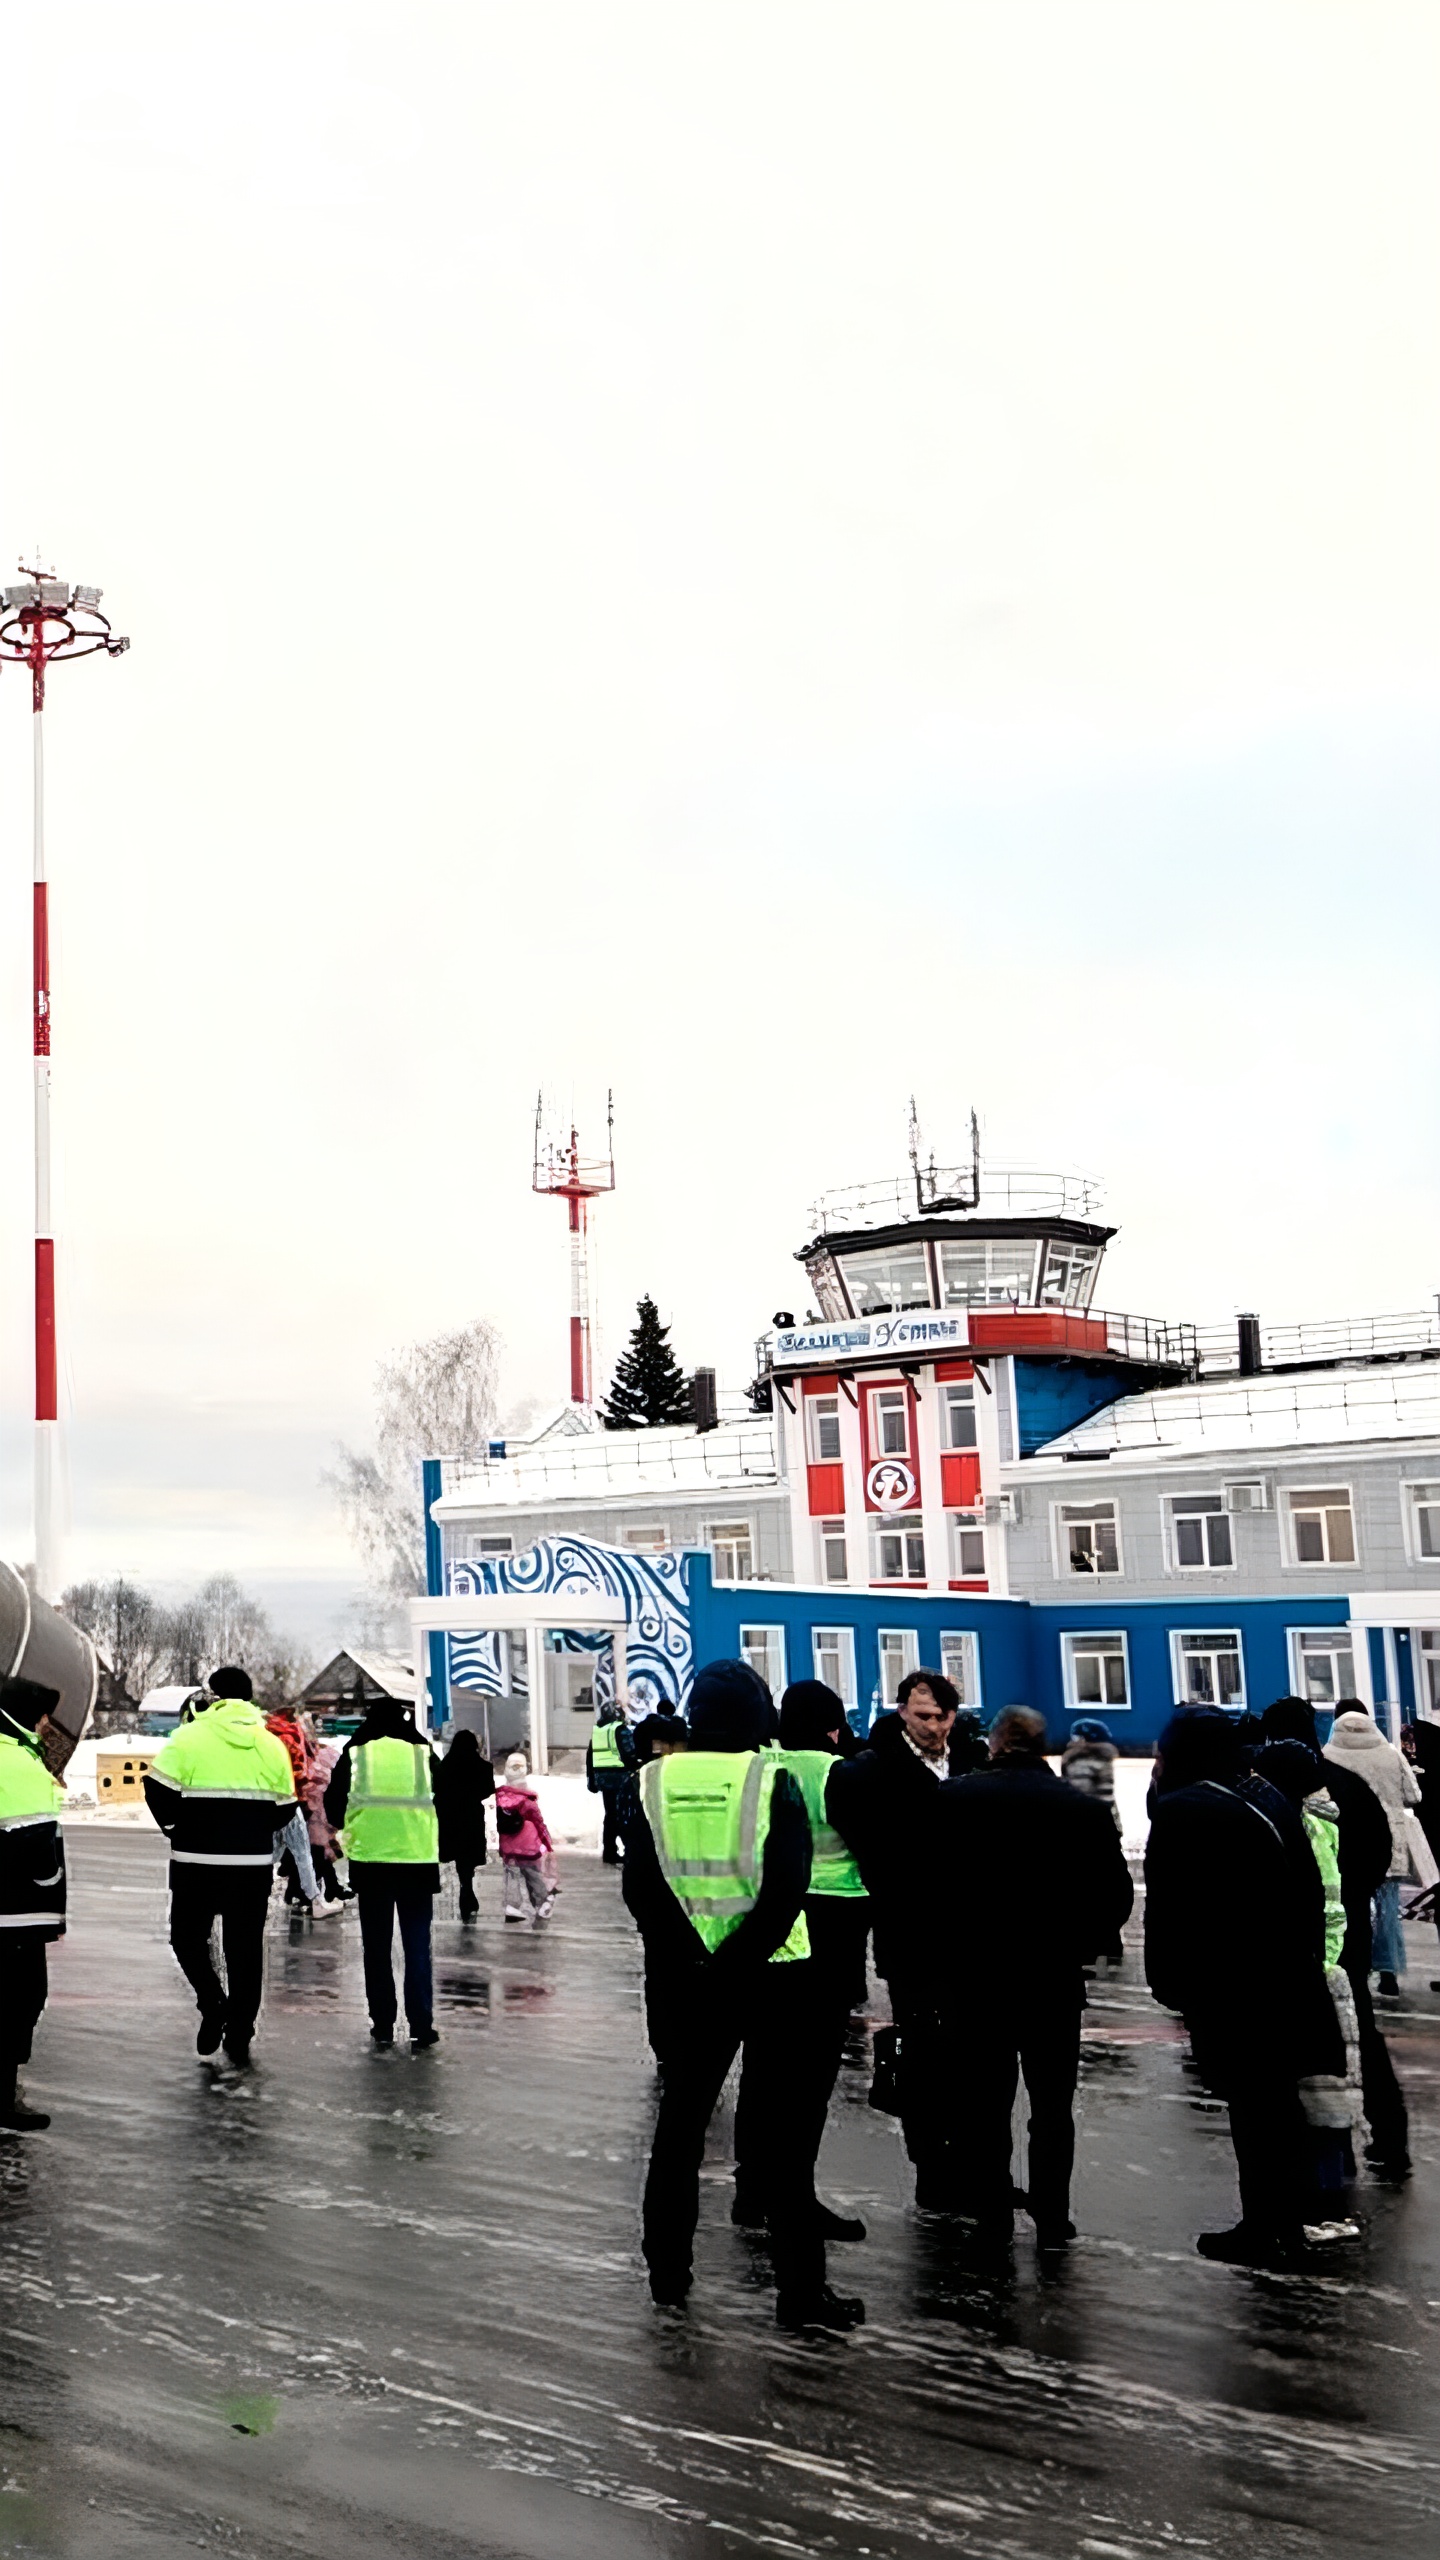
x=907 y=1527
x=875 y=1443
x=880 y=1255
x=846 y=1688
x=815 y=1406
x=1213 y=1636
x=646 y=1537
x=1077 y=1640
x=1334 y=1639
x=908 y=1638
x=1313 y=1500
x=957 y=1395
x=966 y=1524
x=1065 y=1569
x=825 y=1536
x=715 y=1529
x=776 y=1681
x=966 y=1637
x=1182 y=1505
x=1427 y=1652
x=1411 y=1491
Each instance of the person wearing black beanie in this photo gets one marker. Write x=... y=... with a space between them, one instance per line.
x=716 y=1870
x=32 y=1886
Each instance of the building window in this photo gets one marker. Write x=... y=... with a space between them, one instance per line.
x=1322 y=1664
x=646 y=1537
x=967 y=1548
x=1089 y=1537
x=1424 y=1520
x=979 y=1271
x=492 y=1547
x=832 y=1651
x=889 y=1422
x=881 y=1284
x=898 y=1555
x=957 y=1420
x=1200 y=1537
x=1208 y=1669
x=899 y=1656
x=1322 y=1526
x=731 y=1549
x=1069 y=1274
x=834 y=1564
x=1430 y=1670
x=1097 y=1671
x=960 y=1662
x=764 y=1649
x=822 y=1426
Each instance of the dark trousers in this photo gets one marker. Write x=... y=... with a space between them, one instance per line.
x=1380 y=2090
x=24 y=1987
x=759 y=2010
x=380 y=1907
x=668 y=1991
x=239 y=1898
x=1031 y=2028
x=465 y=1878
x=610 y=1823
x=1267 y=2124
x=922 y=2083
x=822 y=1997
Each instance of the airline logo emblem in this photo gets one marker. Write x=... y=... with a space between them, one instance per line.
x=891 y=1486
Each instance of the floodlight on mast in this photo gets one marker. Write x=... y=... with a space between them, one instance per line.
x=44 y=622
x=562 y=1173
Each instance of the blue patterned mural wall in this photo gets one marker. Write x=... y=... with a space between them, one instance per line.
x=660 y=1654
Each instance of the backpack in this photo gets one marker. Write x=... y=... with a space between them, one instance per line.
x=509 y=1819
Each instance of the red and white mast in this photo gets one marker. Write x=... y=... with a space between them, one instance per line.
x=40 y=620
x=562 y=1174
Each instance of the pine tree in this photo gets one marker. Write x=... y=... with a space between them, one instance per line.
x=649 y=1386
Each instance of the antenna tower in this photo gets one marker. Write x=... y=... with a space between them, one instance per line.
x=944 y=1186
x=562 y=1173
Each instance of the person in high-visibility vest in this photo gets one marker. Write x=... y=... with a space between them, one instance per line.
x=32 y=1886
x=608 y=1763
x=813 y=1731
x=220 y=1789
x=381 y=1800
x=716 y=1872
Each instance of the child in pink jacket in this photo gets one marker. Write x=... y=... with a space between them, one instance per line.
x=525 y=1843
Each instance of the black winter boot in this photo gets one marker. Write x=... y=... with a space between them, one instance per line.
x=15 y=2116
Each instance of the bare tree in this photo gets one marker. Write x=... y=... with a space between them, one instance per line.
x=219 y=1623
x=436 y=1400
x=128 y=1623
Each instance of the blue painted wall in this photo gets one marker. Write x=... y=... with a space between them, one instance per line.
x=1019 y=1640
x=430 y=1485
x=1050 y=1397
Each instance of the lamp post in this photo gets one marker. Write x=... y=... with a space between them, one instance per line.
x=43 y=619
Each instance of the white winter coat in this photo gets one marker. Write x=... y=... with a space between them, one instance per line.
x=1356 y=1742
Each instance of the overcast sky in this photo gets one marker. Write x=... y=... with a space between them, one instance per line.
x=769 y=555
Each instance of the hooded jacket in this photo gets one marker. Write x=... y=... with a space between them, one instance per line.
x=1235 y=1927
x=730 y=1709
x=32 y=1850
x=1357 y=1743
x=516 y=1799
x=388 y=1720
x=220 y=1789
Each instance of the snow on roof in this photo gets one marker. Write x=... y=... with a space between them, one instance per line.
x=609 y=1465
x=1302 y=1410
x=391 y=1673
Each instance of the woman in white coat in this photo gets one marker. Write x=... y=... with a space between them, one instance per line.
x=1356 y=1742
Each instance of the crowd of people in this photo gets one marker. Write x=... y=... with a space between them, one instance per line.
x=764 y=1854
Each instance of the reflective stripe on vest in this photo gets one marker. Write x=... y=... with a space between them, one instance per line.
x=833 y=1870
x=605 y=1752
x=709 y=1816
x=390 y=1819
x=28 y=1793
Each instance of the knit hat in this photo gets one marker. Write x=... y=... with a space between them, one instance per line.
x=230 y=1682
x=809 y=1713
x=730 y=1709
x=24 y=1702
x=1090 y=1729
x=1293 y=1767
x=1197 y=1744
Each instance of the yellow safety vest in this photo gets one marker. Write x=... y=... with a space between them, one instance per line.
x=390 y=1818
x=833 y=1870
x=709 y=1816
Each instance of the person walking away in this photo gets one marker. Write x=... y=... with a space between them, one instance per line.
x=717 y=1874
x=1420 y=1743
x=882 y=1804
x=656 y=1737
x=1330 y=2103
x=381 y=1800
x=837 y=1920
x=609 y=1759
x=1030 y=1871
x=1235 y=1942
x=464 y=1785
x=220 y=1789
x=302 y=1889
x=1088 y=1763
x=1356 y=1742
x=525 y=1844
x=32 y=1886
x=324 y=1839
x=1365 y=1851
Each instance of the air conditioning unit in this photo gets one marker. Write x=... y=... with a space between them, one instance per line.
x=1252 y=1495
x=1002 y=1507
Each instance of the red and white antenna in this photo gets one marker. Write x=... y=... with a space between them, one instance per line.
x=562 y=1173
x=42 y=619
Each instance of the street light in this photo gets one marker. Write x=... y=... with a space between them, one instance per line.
x=42 y=619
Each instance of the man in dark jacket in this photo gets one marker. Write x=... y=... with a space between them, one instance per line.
x=1365 y=1850
x=393 y=1846
x=744 y=1986
x=1235 y=1941
x=882 y=1802
x=1032 y=1873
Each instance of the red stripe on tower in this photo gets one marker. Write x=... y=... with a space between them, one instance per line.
x=47 y=1404
x=42 y=970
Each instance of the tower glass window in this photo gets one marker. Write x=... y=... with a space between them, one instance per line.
x=1069 y=1273
x=1089 y=1537
x=1200 y=1533
x=892 y=1277
x=988 y=1271
x=1322 y=1526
